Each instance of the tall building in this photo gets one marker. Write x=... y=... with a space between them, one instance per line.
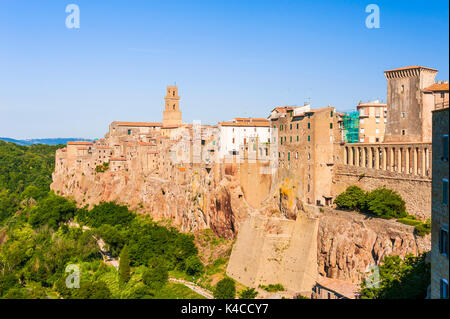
x=172 y=113
x=440 y=198
x=408 y=117
x=372 y=121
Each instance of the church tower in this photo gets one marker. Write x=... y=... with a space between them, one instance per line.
x=172 y=113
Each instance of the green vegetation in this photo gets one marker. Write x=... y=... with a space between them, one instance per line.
x=400 y=279
x=381 y=202
x=102 y=168
x=420 y=228
x=225 y=289
x=249 y=293
x=272 y=287
x=37 y=244
x=124 y=265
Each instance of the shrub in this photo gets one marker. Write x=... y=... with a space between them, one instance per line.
x=194 y=266
x=225 y=289
x=272 y=287
x=102 y=168
x=384 y=203
x=351 y=199
x=423 y=228
x=248 y=293
x=156 y=277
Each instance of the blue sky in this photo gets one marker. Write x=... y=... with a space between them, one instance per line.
x=229 y=58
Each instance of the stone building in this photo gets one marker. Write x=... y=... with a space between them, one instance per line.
x=440 y=198
x=372 y=121
x=172 y=112
x=306 y=143
x=236 y=133
x=409 y=114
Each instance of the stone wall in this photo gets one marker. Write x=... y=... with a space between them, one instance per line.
x=415 y=190
x=276 y=250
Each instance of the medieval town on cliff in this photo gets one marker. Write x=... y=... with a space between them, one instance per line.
x=270 y=182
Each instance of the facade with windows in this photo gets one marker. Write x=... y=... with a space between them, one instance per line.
x=237 y=133
x=372 y=121
x=440 y=205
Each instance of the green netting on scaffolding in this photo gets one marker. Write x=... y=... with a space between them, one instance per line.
x=351 y=127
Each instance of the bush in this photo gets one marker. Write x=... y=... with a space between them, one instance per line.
x=225 y=289
x=109 y=213
x=92 y=290
x=351 y=199
x=52 y=211
x=194 y=266
x=272 y=287
x=156 y=277
x=248 y=293
x=384 y=203
x=423 y=228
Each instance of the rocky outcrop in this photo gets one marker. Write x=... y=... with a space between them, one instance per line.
x=197 y=204
x=349 y=242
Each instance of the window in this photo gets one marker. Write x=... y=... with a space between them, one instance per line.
x=377 y=139
x=129 y=132
x=403 y=115
x=362 y=130
x=290 y=139
x=331 y=114
x=309 y=138
x=297 y=126
x=403 y=132
x=289 y=156
x=274 y=126
x=444 y=289
x=361 y=121
x=233 y=140
x=377 y=121
x=290 y=127
x=385 y=120
x=402 y=89
x=331 y=125
x=309 y=125
x=442 y=95
x=296 y=154
x=445 y=147
x=377 y=131
x=282 y=140
x=444 y=191
x=443 y=241
x=297 y=138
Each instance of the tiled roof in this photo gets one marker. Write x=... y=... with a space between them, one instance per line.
x=247 y=124
x=138 y=124
x=79 y=143
x=250 y=119
x=437 y=87
x=410 y=67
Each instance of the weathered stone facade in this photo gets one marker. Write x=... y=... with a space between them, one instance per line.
x=440 y=204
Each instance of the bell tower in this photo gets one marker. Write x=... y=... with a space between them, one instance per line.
x=172 y=113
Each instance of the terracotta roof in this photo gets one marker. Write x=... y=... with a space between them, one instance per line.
x=437 y=87
x=344 y=288
x=80 y=143
x=282 y=109
x=138 y=124
x=172 y=126
x=250 y=119
x=410 y=67
x=247 y=124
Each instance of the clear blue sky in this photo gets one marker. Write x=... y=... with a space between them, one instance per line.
x=229 y=58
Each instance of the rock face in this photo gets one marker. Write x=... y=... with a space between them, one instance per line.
x=349 y=242
x=195 y=205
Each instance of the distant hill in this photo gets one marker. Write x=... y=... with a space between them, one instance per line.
x=47 y=141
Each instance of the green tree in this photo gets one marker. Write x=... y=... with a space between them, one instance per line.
x=225 y=289
x=385 y=203
x=92 y=290
x=194 y=266
x=351 y=199
x=249 y=293
x=156 y=277
x=406 y=278
x=124 y=265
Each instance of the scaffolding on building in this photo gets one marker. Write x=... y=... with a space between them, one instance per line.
x=351 y=127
